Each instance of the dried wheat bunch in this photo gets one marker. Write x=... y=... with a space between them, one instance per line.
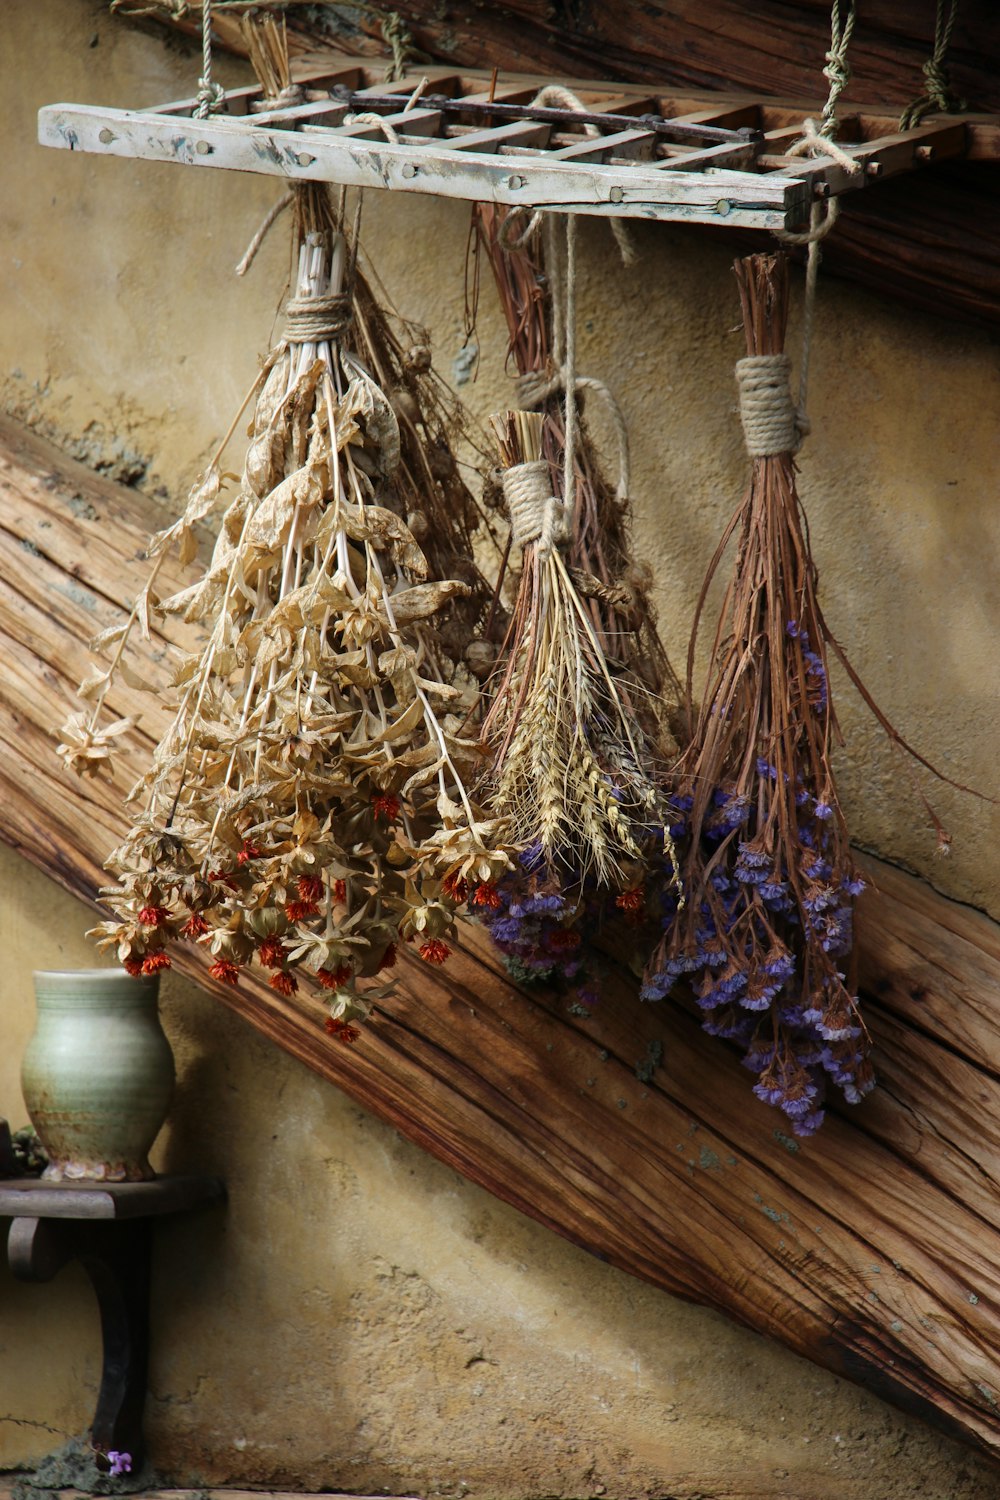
x=612 y=584
x=568 y=773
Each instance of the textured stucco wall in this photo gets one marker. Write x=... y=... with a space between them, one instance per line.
x=358 y=1317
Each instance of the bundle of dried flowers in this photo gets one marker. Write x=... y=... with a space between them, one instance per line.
x=578 y=720
x=307 y=807
x=599 y=553
x=568 y=767
x=766 y=936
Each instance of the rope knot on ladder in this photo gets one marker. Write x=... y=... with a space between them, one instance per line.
x=535 y=513
x=771 y=423
x=315 y=320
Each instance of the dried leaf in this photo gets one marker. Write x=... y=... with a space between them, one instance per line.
x=109 y=637
x=423 y=600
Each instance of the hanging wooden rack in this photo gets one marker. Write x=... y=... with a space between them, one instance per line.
x=625 y=155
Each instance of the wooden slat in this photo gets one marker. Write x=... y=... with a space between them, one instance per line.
x=734 y=158
x=873 y=1249
x=313 y=112
x=634 y=144
x=514 y=134
x=766 y=201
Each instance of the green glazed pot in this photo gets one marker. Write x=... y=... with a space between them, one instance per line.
x=97 y=1074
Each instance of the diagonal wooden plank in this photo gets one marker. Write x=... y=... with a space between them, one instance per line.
x=873 y=1249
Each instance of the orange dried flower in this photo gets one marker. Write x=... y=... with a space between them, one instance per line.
x=388 y=958
x=284 y=983
x=154 y=962
x=298 y=911
x=332 y=979
x=225 y=971
x=154 y=916
x=132 y=966
x=339 y=889
x=562 y=940
x=486 y=894
x=271 y=953
x=195 y=926
x=386 y=806
x=225 y=877
x=434 y=951
x=310 y=887
x=455 y=887
x=631 y=900
x=342 y=1030
x=250 y=850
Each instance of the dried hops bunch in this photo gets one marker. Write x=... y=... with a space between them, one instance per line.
x=307 y=808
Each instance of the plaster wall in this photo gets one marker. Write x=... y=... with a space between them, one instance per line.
x=358 y=1317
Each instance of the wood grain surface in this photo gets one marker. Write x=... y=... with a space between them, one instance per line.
x=873 y=1249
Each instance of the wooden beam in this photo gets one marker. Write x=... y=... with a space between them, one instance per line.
x=929 y=244
x=872 y=1249
x=468 y=168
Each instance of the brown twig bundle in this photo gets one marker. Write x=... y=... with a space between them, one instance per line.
x=766 y=936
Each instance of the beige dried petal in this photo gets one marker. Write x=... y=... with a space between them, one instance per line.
x=385 y=530
x=424 y=600
x=85 y=750
x=108 y=637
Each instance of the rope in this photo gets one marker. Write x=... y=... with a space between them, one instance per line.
x=554 y=96
x=569 y=367
x=370 y=118
x=396 y=36
x=822 y=216
x=813 y=142
x=210 y=95
x=938 y=95
x=250 y=253
x=838 y=70
x=316 y=320
x=535 y=513
x=286 y=98
x=771 y=423
x=532 y=388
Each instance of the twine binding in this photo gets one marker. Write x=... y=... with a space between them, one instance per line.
x=315 y=320
x=535 y=513
x=771 y=423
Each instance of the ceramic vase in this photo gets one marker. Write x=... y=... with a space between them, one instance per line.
x=97 y=1074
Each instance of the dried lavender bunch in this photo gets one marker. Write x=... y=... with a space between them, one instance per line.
x=767 y=930
x=307 y=808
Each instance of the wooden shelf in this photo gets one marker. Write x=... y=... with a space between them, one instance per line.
x=627 y=155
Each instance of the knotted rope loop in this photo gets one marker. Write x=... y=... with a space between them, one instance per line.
x=369 y=117
x=286 y=98
x=534 y=387
x=938 y=95
x=210 y=95
x=838 y=70
x=315 y=320
x=535 y=513
x=771 y=423
x=813 y=142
